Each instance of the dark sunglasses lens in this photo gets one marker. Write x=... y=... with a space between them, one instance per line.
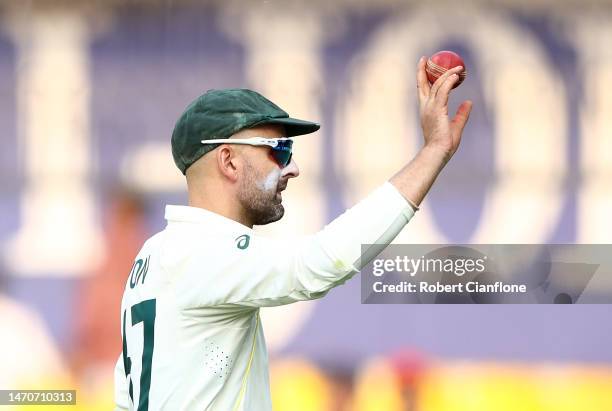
x=282 y=157
x=282 y=152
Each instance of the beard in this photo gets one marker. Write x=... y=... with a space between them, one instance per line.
x=261 y=204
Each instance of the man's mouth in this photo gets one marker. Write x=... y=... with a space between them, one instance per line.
x=279 y=190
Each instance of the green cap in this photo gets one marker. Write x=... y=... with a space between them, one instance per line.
x=220 y=114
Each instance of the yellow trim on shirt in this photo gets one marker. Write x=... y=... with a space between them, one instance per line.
x=248 y=370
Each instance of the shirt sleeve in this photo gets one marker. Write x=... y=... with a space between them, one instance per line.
x=272 y=272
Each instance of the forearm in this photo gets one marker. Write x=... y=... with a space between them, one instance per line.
x=376 y=220
x=415 y=179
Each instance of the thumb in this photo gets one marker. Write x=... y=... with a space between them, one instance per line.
x=461 y=117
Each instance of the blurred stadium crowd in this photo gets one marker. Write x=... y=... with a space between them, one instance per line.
x=88 y=97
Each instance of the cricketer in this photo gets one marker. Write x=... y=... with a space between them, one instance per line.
x=192 y=336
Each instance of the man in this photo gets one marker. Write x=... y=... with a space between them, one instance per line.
x=192 y=338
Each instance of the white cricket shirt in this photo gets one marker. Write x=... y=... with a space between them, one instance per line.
x=192 y=338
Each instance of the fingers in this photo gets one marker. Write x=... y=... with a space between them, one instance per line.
x=436 y=86
x=461 y=117
x=441 y=97
x=422 y=82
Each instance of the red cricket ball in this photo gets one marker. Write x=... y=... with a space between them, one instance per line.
x=443 y=61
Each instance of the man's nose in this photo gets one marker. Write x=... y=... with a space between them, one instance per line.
x=291 y=170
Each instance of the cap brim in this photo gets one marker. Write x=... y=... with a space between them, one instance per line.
x=293 y=126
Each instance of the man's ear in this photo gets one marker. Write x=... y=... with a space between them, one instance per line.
x=228 y=162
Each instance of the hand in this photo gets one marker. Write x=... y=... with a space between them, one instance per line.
x=439 y=132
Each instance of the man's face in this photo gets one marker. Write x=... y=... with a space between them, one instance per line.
x=263 y=179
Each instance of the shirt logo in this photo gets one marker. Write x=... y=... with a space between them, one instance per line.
x=242 y=242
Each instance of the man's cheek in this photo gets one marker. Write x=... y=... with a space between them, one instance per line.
x=270 y=182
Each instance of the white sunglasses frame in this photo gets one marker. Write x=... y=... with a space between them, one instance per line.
x=253 y=141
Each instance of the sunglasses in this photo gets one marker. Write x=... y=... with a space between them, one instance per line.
x=281 y=147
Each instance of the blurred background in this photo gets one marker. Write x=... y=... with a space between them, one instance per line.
x=90 y=91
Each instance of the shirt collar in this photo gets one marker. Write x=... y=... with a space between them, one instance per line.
x=186 y=214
